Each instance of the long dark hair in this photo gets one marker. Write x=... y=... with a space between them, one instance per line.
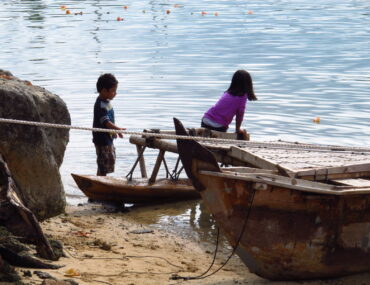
x=242 y=84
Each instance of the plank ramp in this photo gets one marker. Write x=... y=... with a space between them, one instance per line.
x=311 y=163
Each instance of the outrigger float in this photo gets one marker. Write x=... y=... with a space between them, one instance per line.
x=298 y=212
x=146 y=189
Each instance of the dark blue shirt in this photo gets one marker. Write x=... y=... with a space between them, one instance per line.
x=103 y=112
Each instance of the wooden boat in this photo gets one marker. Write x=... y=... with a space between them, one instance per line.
x=122 y=190
x=150 y=190
x=283 y=227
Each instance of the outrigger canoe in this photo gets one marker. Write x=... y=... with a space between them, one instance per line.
x=122 y=190
x=152 y=190
x=283 y=227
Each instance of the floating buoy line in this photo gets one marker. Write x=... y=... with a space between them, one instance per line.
x=242 y=143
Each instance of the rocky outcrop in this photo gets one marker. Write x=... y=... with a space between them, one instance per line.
x=34 y=154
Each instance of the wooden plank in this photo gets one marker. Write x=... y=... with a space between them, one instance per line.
x=292 y=184
x=203 y=132
x=246 y=156
x=142 y=162
x=358 y=182
x=220 y=153
x=200 y=132
x=157 y=166
x=155 y=143
x=247 y=170
x=330 y=173
x=257 y=161
x=307 y=159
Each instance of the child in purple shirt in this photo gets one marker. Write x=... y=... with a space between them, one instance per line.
x=232 y=103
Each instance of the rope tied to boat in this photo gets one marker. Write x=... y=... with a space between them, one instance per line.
x=234 y=248
x=242 y=143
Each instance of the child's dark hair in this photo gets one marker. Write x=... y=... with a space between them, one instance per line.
x=106 y=81
x=242 y=84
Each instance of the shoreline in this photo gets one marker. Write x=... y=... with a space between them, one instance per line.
x=107 y=247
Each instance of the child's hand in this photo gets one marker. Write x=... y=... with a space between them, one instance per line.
x=120 y=134
x=242 y=134
x=242 y=131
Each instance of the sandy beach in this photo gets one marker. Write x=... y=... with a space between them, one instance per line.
x=107 y=247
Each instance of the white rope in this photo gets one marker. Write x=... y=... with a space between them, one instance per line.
x=174 y=137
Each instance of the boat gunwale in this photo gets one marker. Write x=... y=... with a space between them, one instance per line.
x=261 y=178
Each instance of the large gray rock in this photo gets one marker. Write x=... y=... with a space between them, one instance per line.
x=34 y=154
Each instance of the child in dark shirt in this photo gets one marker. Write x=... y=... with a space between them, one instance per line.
x=104 y=118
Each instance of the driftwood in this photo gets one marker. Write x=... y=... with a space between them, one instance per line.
x=20 y=224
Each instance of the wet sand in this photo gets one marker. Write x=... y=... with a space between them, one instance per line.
x=107 y=247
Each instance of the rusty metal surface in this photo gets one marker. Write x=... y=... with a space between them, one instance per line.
x=285 y=234
x=290 y=234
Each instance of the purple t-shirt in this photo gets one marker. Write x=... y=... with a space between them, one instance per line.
x=226 y=108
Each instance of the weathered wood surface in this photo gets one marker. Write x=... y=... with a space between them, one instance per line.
x=157 y=166
x=220 y=150
x=203 y=132
x=289 y=159
x=283 y=228
x=121 y=190
x=291 y=234
x=311 y=163
x=307 y=164
x=141 y=161
x=356 y=182
x=291 y=183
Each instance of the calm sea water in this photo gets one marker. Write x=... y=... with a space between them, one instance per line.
x=308 y=59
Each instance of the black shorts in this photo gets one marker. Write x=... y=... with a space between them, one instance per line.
x=220 y=129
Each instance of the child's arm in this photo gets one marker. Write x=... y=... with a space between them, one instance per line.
x=110 y=125
x=238 y=124
x=239 y=117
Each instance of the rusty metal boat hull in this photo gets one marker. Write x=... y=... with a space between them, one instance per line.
x=287 y=230
x=113 y=189
x=291 y=234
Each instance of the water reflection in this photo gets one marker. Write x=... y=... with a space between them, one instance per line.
x=35 y=13
x=189 y=219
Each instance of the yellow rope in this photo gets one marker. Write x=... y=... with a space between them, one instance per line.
x=197 y=138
